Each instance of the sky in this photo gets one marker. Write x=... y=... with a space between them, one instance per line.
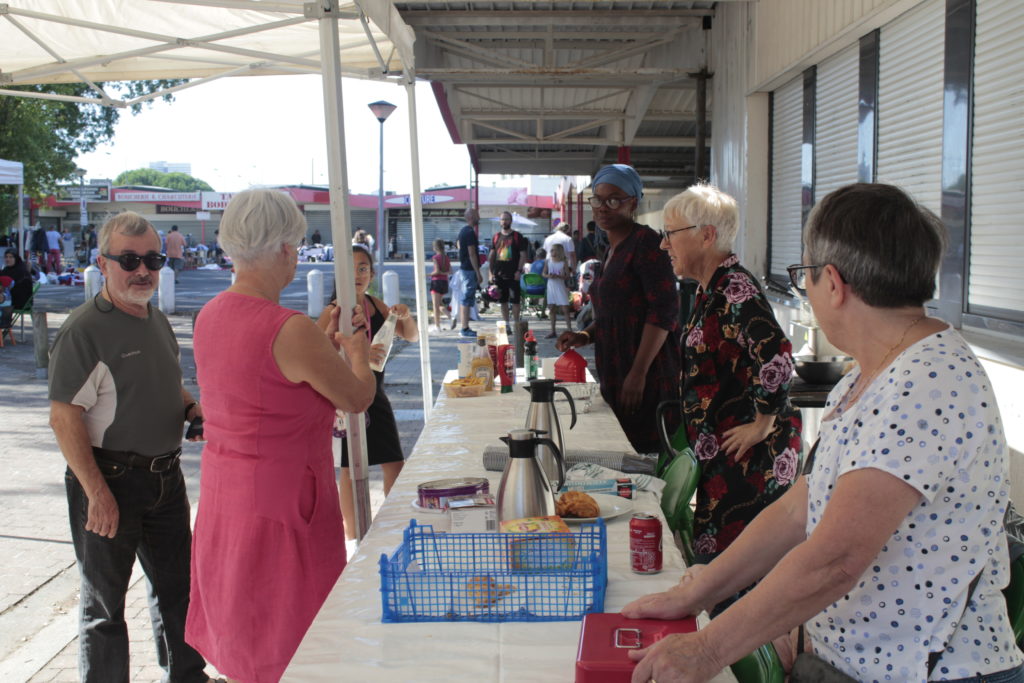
x=269 y=130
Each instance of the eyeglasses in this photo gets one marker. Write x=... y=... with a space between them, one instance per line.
x=611 y=202
x=130 y=261
x=666 y=235
x=798 y=276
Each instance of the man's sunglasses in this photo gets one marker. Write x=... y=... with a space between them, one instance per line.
x=130 y=261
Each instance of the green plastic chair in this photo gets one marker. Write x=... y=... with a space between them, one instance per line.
x=760 y=666
x=670 y=445
x=1014 y=595
x=18 y=314
x=533 y=289
x=681 y=475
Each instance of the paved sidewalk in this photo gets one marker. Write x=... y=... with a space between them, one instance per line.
x=38 y=578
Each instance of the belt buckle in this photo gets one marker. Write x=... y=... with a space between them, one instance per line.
x=169 y=459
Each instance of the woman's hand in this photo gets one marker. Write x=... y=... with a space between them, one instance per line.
x=632 y=392
x=400 y=310
x=356 y=346
x=378 y=354
x=683 y=657
x=689 y=575
x=359 y=321
x=675 y=603
x=570 y=340
x=739 y=440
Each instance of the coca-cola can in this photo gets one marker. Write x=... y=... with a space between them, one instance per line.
x=645 y=543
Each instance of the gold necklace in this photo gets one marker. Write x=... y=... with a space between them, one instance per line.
x=865 y=380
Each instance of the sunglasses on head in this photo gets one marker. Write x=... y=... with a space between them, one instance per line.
x=130 y=261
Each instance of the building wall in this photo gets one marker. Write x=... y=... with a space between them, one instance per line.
x=746 y=36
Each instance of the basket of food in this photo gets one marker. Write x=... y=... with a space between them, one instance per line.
x=465 y=387
x=494 y=577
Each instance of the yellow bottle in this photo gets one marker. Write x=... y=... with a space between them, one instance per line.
x=482 y=365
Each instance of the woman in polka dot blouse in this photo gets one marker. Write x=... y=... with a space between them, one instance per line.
x=874 y=550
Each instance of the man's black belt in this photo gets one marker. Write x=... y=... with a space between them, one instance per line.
x=152 y=463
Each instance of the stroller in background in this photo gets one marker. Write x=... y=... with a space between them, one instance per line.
x=588 y=272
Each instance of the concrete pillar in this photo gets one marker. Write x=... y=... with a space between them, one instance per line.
x=93 y=282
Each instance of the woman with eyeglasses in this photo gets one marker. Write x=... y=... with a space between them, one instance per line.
x=737 y=368
x=889 y=549
x=635 y=329
x=268 y=536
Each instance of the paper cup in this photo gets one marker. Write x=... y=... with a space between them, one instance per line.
x=548 y=367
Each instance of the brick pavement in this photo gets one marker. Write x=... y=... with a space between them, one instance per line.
x=38 y=579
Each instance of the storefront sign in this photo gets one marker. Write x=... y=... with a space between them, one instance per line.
x=216 y=201
x=403 y=199
x=140 y=196
x=403 y=214
x=75 y=193
x=202 y=215
x=161 y=208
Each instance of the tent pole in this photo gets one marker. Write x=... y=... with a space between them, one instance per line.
x=419 y=253
x=21 y=221
x=341 y=234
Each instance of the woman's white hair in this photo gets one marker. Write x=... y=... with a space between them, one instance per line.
x=705 y=204
x=257 y=222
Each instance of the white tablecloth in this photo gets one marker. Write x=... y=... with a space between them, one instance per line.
x=348 y=642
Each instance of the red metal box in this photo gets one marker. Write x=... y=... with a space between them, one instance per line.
x=605 y=640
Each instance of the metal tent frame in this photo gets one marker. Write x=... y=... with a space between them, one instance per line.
x=92 y=41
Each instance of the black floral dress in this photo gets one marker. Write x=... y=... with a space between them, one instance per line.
x=737 y=361
x=637 y=287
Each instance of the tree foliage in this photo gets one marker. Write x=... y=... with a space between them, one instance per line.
x=47 y=136
x=182 y=182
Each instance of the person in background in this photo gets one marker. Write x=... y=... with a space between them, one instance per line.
x=556 y=272
x=439 y=281
x=635 y=330
x=117 y=409
x=562 y=234
x=383 y=446
x=507 y=262
x=39 y=246
x=52 y=251
x=540 y=258
x=176 y=251
x=268 y=534
x=890 y=548
x=469 y=267
x=6 y=310
x=67 y=243
x=15 y=268
x=316 y=239
x=588 y=244
x=737 y=368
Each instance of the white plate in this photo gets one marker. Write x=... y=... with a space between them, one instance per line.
x=430 y=511
x=611 y=506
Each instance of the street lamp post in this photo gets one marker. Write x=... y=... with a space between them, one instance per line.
x=83 y=213
x=382 y=110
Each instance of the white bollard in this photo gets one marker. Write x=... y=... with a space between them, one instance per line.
x=389 y=283
x=315 y=293
x=93 y=282
x=165 y=297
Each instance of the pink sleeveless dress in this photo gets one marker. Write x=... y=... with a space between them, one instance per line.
x=268 y=543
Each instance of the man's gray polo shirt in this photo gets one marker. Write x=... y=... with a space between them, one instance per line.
x=124 y=372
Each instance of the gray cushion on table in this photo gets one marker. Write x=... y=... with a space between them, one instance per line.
x=495 y=458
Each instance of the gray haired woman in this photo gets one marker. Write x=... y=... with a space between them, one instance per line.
x=890 y=550
x=268 y=543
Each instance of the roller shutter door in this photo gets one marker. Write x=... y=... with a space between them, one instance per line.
x=996 y=275
x=911 y=58
x=321 y=220
x=835 y=135
x=787 y=139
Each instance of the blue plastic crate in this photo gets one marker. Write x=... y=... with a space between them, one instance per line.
x=436 y=576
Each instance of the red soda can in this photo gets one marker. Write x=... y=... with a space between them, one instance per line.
x=645 y=543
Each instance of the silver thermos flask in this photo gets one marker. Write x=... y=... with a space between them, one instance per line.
x=542 y=418
x=525 y=490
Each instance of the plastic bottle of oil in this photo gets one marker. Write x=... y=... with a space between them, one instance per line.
x=482 y=365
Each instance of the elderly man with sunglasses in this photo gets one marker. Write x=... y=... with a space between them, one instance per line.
x=117 y=408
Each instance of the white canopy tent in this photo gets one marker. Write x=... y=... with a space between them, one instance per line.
x=13 y=173
x=92 y=41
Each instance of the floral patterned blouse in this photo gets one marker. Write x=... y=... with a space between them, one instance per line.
x=637 y=287
x=737 y=361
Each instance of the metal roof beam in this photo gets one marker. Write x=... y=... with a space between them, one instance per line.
x=539 y=77
x=576 y=141
x=569 y=18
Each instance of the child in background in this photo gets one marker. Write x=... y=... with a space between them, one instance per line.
x=439 y=282
x=557 y=273
x=538 y=261
x=6 y=309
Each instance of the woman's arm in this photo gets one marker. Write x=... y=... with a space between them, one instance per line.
x=632 y=391
x=305 y=354
x=867 y=506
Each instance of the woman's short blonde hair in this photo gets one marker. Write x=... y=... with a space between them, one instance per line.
x=705 y=204
x=257 y=222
